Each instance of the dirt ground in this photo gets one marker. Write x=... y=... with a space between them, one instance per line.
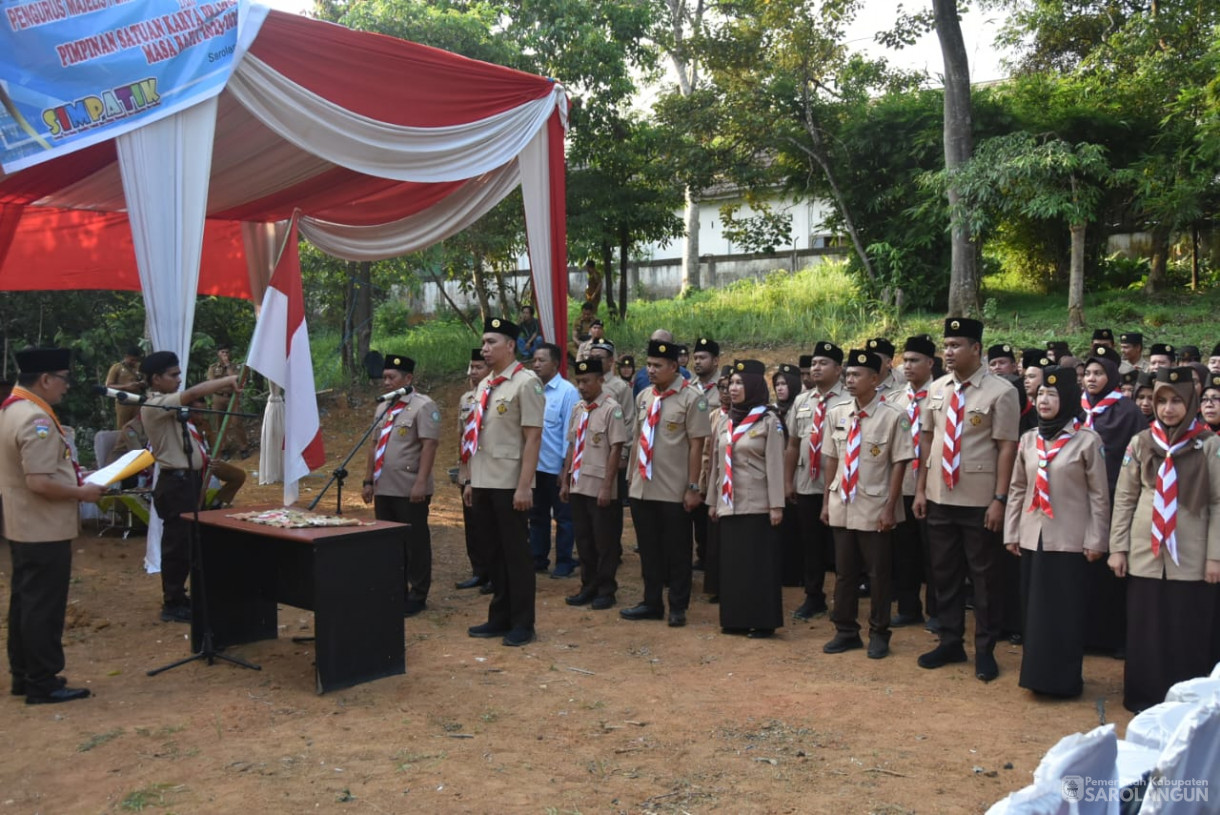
x=598 y=715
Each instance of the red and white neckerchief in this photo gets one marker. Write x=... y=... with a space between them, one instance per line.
x=815 y=433
x=851 y=460
x=951 y=465
x=201 y=442
x=1165 y=501
x=708 y=387
x=648 y=432
x=579 y=454
x=914 y=397
x=1042 y=483
x=383 y=438
x=735 y=432
x=1093 y=411
x=470 y=438
x=20 y=394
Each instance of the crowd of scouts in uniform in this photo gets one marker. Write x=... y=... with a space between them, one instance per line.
x=1073 y=504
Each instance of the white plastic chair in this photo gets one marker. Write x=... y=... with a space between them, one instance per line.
x=1074 y=778
x=1186 y=779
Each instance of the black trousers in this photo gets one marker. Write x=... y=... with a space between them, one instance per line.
x=961 y=545
x=911 y=564
x=663 y=530
x=416 y=540
x=699 y=522
x=512 y=566
x=476 y=545
x=36 y=608
x=858 y=553
x=599 y=543
x=818 y=543
x=176 y=494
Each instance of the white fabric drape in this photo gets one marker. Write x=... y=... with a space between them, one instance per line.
x=448 y=217
x=263 y=243
x=536 y=193
x=271 y=449
x=165 y=168
x=427 y=154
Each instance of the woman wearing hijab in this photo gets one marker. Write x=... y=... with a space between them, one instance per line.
x=711 y=563
x=1209 y=403
x=1116 y=419
x=1143 y=395
x=786 y=381
x=1128 y=380
x=746 y=494
x=1057 y=522
x=1165 y=540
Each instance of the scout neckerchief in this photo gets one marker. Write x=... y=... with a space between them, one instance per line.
x=956 y=417
x=470 y=439
x=914 y=397
x=1165 y=502
x=736 y=432
x=581 y=426
x=200 y=442
x=383 y=439
x=1042 y=484
x=21 y=394
x=1093 y=411
x=648 y=432
x=851 y=460
x=815 y=433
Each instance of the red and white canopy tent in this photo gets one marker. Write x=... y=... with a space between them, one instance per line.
x=382 y=146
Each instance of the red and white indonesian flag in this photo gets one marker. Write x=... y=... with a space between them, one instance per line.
x=279 y=350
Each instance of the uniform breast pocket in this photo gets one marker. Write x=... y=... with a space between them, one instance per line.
x=876 y=449
x=978 y=416
x=675 y=426
x=503 y=406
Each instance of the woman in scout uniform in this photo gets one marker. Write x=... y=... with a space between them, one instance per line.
x=398 y=475
x=866 y=456
x=1143 y=395
x=786 y=381
x=589 y=481
x=746 y=496
x=1057 y=522
x=476 y=544
x=1165 y=540
x=1209 y=403
x=911 y=564
x=1127 y=383
x=711 y=566
x=41 y=487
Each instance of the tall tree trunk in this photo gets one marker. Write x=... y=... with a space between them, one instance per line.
x=480 y=288
x=821 y=156
x=1076 y=280
x=622 y=275
x=1158 y=273
x=346 y=347
x=362 y=314
x=1194 y=257
x=959 y=146
x=690 y=247
x=608 y=279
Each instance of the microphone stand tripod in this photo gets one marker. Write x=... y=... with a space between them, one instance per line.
x=199 y=605
x=340 y=473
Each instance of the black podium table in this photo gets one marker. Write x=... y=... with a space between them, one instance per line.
x=351 y=577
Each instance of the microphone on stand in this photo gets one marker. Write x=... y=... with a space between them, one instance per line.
x=122 y=396
x=386 y=397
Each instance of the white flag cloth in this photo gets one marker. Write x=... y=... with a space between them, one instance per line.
x=279 y=350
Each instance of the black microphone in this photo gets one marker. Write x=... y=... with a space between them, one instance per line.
x=122 y=396
x=386 y=397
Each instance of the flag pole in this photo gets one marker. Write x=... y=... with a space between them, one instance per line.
x=235 y=402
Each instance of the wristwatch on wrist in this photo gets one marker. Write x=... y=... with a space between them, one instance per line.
x=368 y=483
x=692 y=487
x=1001 y=497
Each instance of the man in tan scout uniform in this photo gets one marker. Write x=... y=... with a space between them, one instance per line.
x=867 y=453
x=125 y=376
x=235 y=438
x=619 y=390
x=398 y=475
x=672 y=427
x=970 y=435
x=705 y=365
x=1131 y=347
x=178 y=486
x=803 y=471
x=41 y=489
x=596 y=436
x=476 y=544
x=891 y=381
x=507 y=437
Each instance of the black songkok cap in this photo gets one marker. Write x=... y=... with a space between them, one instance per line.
x=880 y=345
x=749 y=366
x=663 y=349
x=788 y=368
x=862 y=358
x=1131 y=338
x=1162 y=349
x=43 y=360
x=828 y=350
x=709 y=345
x=593 y=365
x=476 y=354
x=1103 y=334
x=964 y=327
x=806 y=360
x=500 y=325
x=920 y=344
x=1001 y=350
x=394 y=362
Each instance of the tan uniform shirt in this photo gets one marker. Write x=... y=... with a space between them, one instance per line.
x=717 y=420
x=800 y=423
x=517 y=403
x=1198 y=534
x=891 y=384
x=903 y=401
x=605 y=429
x=992 y=414
x=165 y=433
x=620 y=392
x=419 y=420
x=683 y=419
x=466 y=406
x=885 y=440
x=30 y=444
x=758 y=468
x=1079 y=493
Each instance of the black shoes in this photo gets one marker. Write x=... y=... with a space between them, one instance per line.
x=932 y=625
x=878 y=647
x=903 y=620
x=413 y=607
x=19 y=685
x=842 y=643
x=64 y=694
x=518 y=636
x=603 y=602
x=176 y=614
x=810 y=609
x=642 y=612
x=487 y=588
x=942 y=655
x=761 y=633
x=486 y=631
x=560 y=573
x=471 y=583
x=581 y=598
x=677 y=619
x=985 y=667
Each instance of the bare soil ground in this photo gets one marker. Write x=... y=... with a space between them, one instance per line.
x=598 y=715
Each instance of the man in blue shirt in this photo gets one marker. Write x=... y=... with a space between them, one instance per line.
x=561 y=396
